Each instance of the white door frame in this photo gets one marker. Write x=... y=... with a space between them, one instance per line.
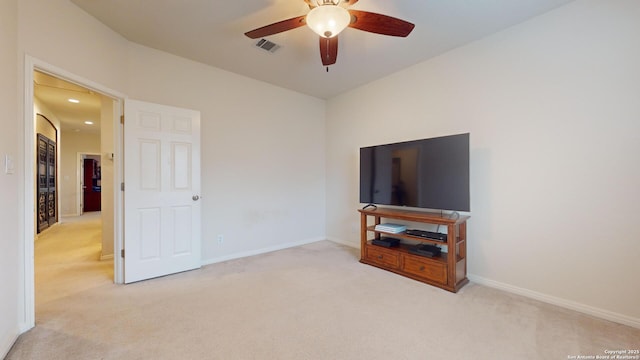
x=79 y=181
x=28 y=189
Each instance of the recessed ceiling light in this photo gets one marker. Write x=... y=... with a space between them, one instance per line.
x=88 y=122
x=75 y=101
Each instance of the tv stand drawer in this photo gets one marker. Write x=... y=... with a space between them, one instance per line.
x=425 y=268
x=382 y=256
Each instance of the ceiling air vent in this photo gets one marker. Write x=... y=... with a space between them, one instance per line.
x=267 y=45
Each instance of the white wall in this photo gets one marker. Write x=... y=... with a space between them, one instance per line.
x=59 y=33
x=63 y=35
x=51 y=128
x=262 y=152
x=263 y=147
x=552 y=107
x=10 y=136
x=549 y=104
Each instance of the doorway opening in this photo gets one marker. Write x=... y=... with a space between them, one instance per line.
x=74 y=133
x=78 y=251
x=89 y=180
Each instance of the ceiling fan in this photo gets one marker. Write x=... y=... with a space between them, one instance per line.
x=328 y=18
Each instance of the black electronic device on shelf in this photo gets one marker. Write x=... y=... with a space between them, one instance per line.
x=386 y=242
x=427 y=234
x=425 y=250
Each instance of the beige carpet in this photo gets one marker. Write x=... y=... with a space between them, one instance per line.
x=67 y=259
x=310 y=302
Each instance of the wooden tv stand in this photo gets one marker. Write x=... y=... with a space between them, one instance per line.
x=448 y=271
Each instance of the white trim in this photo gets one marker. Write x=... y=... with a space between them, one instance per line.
x=567 y=304
x=7 y=343
x=118 y=201
x=261 y=251
x=27 y=186
x=352 y=244
x=28 y=190
x=106 y=257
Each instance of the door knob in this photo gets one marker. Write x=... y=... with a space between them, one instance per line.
x=195 y=197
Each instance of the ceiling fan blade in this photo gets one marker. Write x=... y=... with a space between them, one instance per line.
x=329 y=50
x=379 y=24
x=278 y=27
x=310 y=3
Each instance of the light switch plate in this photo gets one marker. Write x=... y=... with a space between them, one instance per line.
x=8 y=164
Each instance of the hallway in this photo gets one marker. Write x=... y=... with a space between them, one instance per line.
x=67 y=261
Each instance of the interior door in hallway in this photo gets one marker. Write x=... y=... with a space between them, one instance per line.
x=162 y=187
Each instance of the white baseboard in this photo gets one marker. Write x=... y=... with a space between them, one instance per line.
x=6 y=343
x=24 y=327
x=260 y=251
x=353 y=244
x=567 y=304
x=106 y=257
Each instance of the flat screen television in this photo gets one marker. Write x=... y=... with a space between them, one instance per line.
x=428 y=173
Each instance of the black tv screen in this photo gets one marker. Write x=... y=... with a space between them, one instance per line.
x=429 y=173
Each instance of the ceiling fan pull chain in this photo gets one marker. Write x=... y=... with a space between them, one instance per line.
x=327 y=69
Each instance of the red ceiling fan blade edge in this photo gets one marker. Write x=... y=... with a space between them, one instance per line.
x=379 y=24
x=278 y=27
x=328 y=50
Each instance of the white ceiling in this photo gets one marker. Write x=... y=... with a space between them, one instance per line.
x=55 y=93
x=212 y=32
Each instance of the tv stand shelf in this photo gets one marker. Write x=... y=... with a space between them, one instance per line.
x=405 y=236
x=447 y=271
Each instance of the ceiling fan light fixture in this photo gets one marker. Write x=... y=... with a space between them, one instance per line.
x=328 y=20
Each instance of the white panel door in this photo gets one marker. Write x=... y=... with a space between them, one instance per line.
x=162 y=190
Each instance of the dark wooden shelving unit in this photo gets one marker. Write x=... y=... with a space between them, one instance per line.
x=447 y=271
x=47 y=183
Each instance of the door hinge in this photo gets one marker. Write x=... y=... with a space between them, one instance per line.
x=122 y=253
x=121 y=119
x=121 y=186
